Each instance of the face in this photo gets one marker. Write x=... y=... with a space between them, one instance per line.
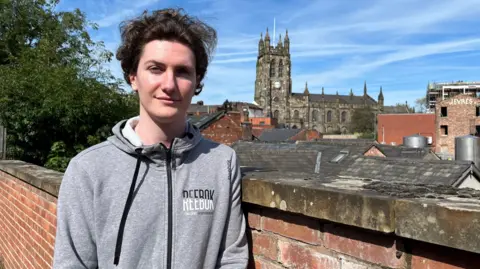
x=165 y=81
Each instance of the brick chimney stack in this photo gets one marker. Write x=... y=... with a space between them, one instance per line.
x=246 y=125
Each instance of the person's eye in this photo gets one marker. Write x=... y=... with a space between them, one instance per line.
x=155 y=69
x=183 y=71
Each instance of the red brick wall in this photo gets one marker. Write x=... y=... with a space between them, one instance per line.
x=374 y=151
x=284 y=240
x=227 y=130
x=393 y=127
x=461 y=112
x=27 y=224
x=278 y=239
x=306 y=135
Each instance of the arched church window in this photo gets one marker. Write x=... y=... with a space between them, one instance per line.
x=296 y=114
x=344 y=116
x=315 y=115
x=280 y=68
x=329 y=116
x=272 y=68
x=276 y=114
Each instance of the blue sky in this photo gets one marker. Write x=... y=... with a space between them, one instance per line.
x=400 y=45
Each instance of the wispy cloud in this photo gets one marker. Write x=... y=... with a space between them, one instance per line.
x=399 y=44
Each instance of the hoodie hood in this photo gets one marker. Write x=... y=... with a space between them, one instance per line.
x=157 y=152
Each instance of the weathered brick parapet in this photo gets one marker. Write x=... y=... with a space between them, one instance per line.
x=295 y=221
x=28 y=206
x=299 y=220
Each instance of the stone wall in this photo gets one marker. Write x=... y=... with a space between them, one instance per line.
x=295 y=221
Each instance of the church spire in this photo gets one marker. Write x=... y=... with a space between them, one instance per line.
x=306 y=92
x=323 y=92
x=380 y=96
x=351 y=93
x=286 y=42
x=267 y=41
x=365 y=88
x=261 y=45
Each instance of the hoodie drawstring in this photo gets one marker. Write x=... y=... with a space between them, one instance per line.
x=128 y=204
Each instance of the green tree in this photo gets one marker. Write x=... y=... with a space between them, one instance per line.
x=421 y=104
x=56 y=97
x=363 y=120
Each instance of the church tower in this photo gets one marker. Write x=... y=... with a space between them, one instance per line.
x=273 y=83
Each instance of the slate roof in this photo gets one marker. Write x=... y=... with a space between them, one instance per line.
x=193 y=108
x=343 y=99
x=274 y=135
x=339 y=142
x=290 y=156
x=404 y=152
x=203 y=121
x=410 y=171
x=400 y=109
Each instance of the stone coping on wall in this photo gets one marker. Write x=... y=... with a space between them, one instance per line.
x=435 y=214
x=45 y=179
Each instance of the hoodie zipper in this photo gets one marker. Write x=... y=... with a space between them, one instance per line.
x=170 y=206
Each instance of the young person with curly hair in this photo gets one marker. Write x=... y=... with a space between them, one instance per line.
x=156 y=194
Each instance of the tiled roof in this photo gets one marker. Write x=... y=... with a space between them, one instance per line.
x=259 y=154
x=343 y=99
x=302 y=157
x=399 y=109
x=408 y=170
x=202 y=121
x=404 y=152
x=276 y=135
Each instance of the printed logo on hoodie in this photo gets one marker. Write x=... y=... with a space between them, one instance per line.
x=198 y=201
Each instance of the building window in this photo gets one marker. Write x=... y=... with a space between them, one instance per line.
x=329 y=116
x=443 y=130
x=275 y=100
x=296 y=114
x=344 y=116
x=262 y=123
x=477 y=113
x=272 y=69
x=443 y=111
x=339 y=157
x=276 y=114
x=315 y=115
x=280 y=68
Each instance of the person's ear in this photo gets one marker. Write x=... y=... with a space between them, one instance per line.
x=133 y=82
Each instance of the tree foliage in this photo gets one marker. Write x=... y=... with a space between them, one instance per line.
x=363 y=120
x=421 y=104
x=56 y=97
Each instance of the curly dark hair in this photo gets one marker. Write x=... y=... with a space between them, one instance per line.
x=166 y=24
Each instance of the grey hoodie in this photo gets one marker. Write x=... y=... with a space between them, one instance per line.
x=126 y=206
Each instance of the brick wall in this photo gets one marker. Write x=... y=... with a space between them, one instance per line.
x=374 y=151
x=306 y=135
x=285 y=240
x=399 y=235
x=393 y=127
x=227 y=130
x=27 y=224
x=461 y=115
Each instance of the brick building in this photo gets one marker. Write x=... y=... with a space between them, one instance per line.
x=391 y=128
x=455 y=116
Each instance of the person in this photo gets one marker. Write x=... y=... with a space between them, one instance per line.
x=155 y=194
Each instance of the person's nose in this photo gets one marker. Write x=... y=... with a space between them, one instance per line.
x=169 y=83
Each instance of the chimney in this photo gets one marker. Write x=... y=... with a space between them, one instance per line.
x=246 y=126
x=200 y=103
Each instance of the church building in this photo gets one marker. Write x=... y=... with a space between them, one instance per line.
x=327 y=113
